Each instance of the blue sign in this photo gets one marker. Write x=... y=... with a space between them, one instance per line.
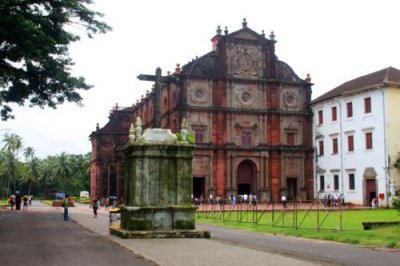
x=60 y=195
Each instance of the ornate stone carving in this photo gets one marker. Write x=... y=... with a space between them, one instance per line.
x=199 y=93
x=246 y=97
x=200 y=165
x=184 y=127
x=132 y=134
x=245 y=61
x=292 y=167
x=138 y=128
x=290 y=99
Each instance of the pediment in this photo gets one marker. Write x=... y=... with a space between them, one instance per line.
x=246 y=34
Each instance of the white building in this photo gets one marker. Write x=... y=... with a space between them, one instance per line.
x=356 y=130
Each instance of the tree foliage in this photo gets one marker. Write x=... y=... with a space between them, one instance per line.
x=67 y=173
x=34 y=56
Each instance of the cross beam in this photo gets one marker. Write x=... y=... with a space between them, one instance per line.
x=158 y=79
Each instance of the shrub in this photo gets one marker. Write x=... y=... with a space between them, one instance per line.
x=189 y=137
x=392 y=244
x=396 y=203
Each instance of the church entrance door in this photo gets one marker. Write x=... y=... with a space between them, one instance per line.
x=199 y=187
x=245 y=177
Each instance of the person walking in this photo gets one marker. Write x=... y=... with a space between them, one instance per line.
x=17 y=201
x=95 y=207
x=283 y=199
x=12 y=201
x=25 y=200
x=65 y=205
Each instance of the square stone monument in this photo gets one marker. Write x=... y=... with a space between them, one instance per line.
x=158 y=187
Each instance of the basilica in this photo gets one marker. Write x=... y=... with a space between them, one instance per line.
x=248 y=111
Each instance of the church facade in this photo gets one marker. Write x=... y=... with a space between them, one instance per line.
x=250 y=115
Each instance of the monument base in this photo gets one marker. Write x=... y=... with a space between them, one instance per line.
x=123 y=233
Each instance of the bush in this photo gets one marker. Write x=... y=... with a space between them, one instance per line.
x=189 y=137
x=396 y=203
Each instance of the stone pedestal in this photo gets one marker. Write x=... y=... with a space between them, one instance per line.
x=158 y=186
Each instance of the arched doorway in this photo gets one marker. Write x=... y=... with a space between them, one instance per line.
x=245 y=178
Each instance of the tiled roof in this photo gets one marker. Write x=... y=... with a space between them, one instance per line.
x=386 y=75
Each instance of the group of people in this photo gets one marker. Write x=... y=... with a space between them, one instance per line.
x=107 y=202
x=334 y=200
x=16 y=200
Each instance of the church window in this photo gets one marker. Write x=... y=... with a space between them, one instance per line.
x=199 y=135
x=291 y=138
x=246 y=138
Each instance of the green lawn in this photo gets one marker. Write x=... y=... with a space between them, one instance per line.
x=352 y=229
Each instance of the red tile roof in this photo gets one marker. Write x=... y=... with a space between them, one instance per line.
x=386 y=75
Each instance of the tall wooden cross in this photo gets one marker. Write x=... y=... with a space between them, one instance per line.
x=158 y=79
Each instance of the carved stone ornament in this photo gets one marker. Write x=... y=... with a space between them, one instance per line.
x=290 y=98
x=132 y=134
x=246 y=97
x=198 y=95
x=138 y=128
x=245 y=61
x=184 y=127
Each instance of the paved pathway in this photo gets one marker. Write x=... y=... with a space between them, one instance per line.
x=232 y=247
x=176 y=252
x=40 y=237
x=236 y=247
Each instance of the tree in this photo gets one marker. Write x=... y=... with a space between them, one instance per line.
x=34 y=56
x=13 y=144
x=32 y=173
x=47 y=175
x=62 y=168
x=8 y=167
x=29 y=153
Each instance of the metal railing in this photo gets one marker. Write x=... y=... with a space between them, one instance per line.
x=297 y=214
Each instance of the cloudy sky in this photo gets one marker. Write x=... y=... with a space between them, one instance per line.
x=334 y=41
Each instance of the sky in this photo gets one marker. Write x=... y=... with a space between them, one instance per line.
x=333 y=41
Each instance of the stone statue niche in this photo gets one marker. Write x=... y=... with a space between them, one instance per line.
x=158 y=187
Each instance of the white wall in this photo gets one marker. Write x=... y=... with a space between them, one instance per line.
x=345 y=162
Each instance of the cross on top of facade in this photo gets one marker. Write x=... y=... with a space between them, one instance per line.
x=158 y=79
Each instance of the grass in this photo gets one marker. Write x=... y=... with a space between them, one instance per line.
x=352 y=230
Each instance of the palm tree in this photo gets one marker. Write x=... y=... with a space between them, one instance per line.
x=47 y=175
x=8 y=170
x=81 y=172
x=29 y=153
x=33 y=172
x=12 y=144
x=62 y=168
